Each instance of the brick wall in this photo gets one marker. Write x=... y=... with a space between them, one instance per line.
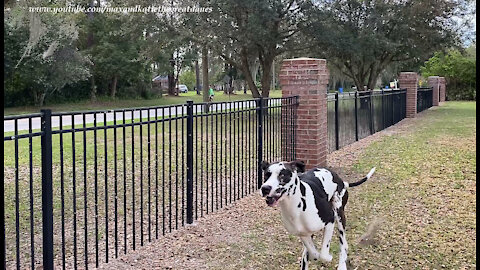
x=409 y=80
x=434 y=82
x=308 y=79
x=443 y=90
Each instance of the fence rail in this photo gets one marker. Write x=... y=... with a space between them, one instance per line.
x=89 y=186
x=424 y=98
x=356 y=115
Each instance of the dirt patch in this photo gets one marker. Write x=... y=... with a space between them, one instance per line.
x=192 y=247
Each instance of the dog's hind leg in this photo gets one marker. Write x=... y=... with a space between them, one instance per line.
x=304 y=262
x=340 y=218
x=327 y=237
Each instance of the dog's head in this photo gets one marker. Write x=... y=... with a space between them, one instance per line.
x=278 y=178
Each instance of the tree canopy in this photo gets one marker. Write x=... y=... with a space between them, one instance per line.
x=61 y=56
x=243 y=31
x=362 y=38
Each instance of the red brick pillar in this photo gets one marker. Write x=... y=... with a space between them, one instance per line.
x=409 y=80
x=443 y=89
x=307 y=78
x=434 y=82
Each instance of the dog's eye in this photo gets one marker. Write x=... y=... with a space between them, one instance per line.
x=283 y=179
x=267 y=175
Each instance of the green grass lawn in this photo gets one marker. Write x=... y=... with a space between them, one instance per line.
x=425 y=194
x=104 y=103
x=422 y=198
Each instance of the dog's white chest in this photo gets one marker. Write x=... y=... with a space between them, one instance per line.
x=299 y=222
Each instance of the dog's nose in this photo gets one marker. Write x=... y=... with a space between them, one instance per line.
x=266 y=190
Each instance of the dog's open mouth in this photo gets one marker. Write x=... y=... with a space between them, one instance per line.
x=273 y=200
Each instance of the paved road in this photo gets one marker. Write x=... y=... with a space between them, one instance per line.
x=23 y=124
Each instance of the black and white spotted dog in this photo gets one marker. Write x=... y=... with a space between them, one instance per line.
x=309 y=202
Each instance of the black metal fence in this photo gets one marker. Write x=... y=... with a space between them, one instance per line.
x=82 y=188
x=424 y=98
x=356 y=115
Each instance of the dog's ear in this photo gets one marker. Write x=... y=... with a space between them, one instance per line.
x=298 y=165
x=264 y=165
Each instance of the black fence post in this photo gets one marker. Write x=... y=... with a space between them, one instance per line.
x=356 y=116
x=394 y=96
x=383 y=109
x=260 y=141
x=189 y=162
x=47 y=192
x=337 y=143
x=372 y=127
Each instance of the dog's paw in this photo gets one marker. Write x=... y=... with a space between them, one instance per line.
x=342 y=266
x=326 y=257
x=314 y=256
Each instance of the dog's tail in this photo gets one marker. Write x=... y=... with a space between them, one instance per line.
x=363 y=179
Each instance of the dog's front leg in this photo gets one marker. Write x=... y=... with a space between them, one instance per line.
x=304 y=262
x=310 y=247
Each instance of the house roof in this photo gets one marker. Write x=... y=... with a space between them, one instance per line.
x=160 y=78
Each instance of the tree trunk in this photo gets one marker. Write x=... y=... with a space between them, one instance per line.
x=372 y=81
x=39 y=98
x=177 y=73
x=205 y=76
x=359 y=82
x=171 y=77
x=273 y=75
x=251 y=83
x=113 y=89
x=266 y=76
x=248 y=75
x=254 y=69
x=373 y=76
x=93 y=89
x=171 y=84
x=230 y=85
x=197 y=77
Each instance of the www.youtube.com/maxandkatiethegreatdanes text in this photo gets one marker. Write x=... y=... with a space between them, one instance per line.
x=129 y=9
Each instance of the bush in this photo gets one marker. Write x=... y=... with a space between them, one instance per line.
x=461 y=93
x=459 y=70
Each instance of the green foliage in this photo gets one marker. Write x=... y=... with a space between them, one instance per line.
x=188 y=78
x=458 y=68
x=40 y=56
x=64 y=56
x=362 y=38
x=242 y=32
x=117 y=54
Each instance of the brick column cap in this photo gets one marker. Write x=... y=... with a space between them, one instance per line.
x=303 y=58
x=433 y=79
x=408 y=74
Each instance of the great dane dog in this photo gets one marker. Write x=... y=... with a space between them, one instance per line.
x=309 y=202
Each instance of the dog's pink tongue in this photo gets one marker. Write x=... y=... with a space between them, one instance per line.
x=274 y=204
